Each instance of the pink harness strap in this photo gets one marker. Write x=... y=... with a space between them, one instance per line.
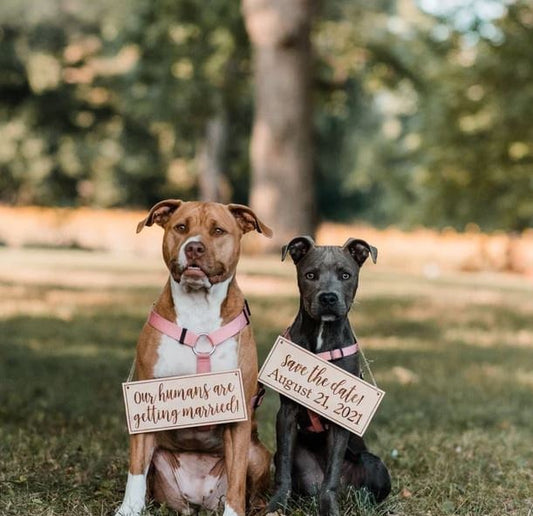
x=189 y=338
x=337 y=353
x=332 y=354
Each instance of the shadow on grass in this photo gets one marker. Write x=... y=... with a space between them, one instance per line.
x=63 y=437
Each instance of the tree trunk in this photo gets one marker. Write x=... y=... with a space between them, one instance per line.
x=211 y=160
x=281 y=149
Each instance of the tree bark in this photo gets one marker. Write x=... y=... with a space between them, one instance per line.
x=281 y=150
x=211 y=160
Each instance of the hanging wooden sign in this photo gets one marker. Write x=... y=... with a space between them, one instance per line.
x=184 y=401
x=320 y=386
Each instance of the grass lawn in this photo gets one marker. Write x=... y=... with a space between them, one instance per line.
x=454 y=355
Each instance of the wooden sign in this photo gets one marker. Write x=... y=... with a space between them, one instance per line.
x=184 y=401
x=320 y=386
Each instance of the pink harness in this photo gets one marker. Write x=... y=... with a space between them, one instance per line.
x=203 y=358
x=333 y=354
x=189 y=338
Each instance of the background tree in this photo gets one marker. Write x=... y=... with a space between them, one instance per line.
x=480 y=165
x=433 y=113
x=282 y=188
x=190 y=85
x=420 y=116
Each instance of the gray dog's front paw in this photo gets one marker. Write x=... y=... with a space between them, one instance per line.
x=328 y=505
x=278 y=503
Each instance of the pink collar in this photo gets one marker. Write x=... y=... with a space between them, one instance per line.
x=337 y=353
x=189 y=338
x=333 y=354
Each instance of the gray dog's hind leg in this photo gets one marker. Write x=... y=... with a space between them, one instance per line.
x=364 y=469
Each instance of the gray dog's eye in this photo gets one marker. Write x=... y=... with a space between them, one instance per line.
x=310 y=276
x=346 y=276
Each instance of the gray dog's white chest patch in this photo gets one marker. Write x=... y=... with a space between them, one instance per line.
x=319 y=340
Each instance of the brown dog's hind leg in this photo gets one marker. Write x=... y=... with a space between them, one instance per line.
x=258 y=476
x=186 y=481
x=236 y=467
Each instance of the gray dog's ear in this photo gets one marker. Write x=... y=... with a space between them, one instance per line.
x=298 y=247
x=359 y=250
x=160 y=213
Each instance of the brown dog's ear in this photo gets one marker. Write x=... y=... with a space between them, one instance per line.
x=248 y=220
x=359 y=250
x=298 y=247
x=160 y=213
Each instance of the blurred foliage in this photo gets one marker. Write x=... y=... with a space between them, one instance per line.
x=431 y=115
x=423 y=114
x=105 y=104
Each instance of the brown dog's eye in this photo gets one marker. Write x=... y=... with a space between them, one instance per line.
x=180 y=228
x=219 y=231
x=310 y=276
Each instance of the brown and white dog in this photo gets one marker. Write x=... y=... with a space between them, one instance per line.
x=197 y=467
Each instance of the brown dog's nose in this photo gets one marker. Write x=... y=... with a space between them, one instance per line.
x=194 y=250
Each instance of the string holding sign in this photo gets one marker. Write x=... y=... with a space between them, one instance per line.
x=320 y=386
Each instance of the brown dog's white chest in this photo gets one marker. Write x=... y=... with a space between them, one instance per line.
x=200 y=312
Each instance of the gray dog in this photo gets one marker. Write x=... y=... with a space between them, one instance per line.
x=315 y=456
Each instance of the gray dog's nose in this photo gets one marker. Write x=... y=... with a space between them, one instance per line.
x=328 y=298
x=194 y=250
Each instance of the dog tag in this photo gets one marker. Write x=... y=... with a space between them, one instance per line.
x=320 y=386
x=184 y=401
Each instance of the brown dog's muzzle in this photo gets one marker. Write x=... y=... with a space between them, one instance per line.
x=194 y=252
